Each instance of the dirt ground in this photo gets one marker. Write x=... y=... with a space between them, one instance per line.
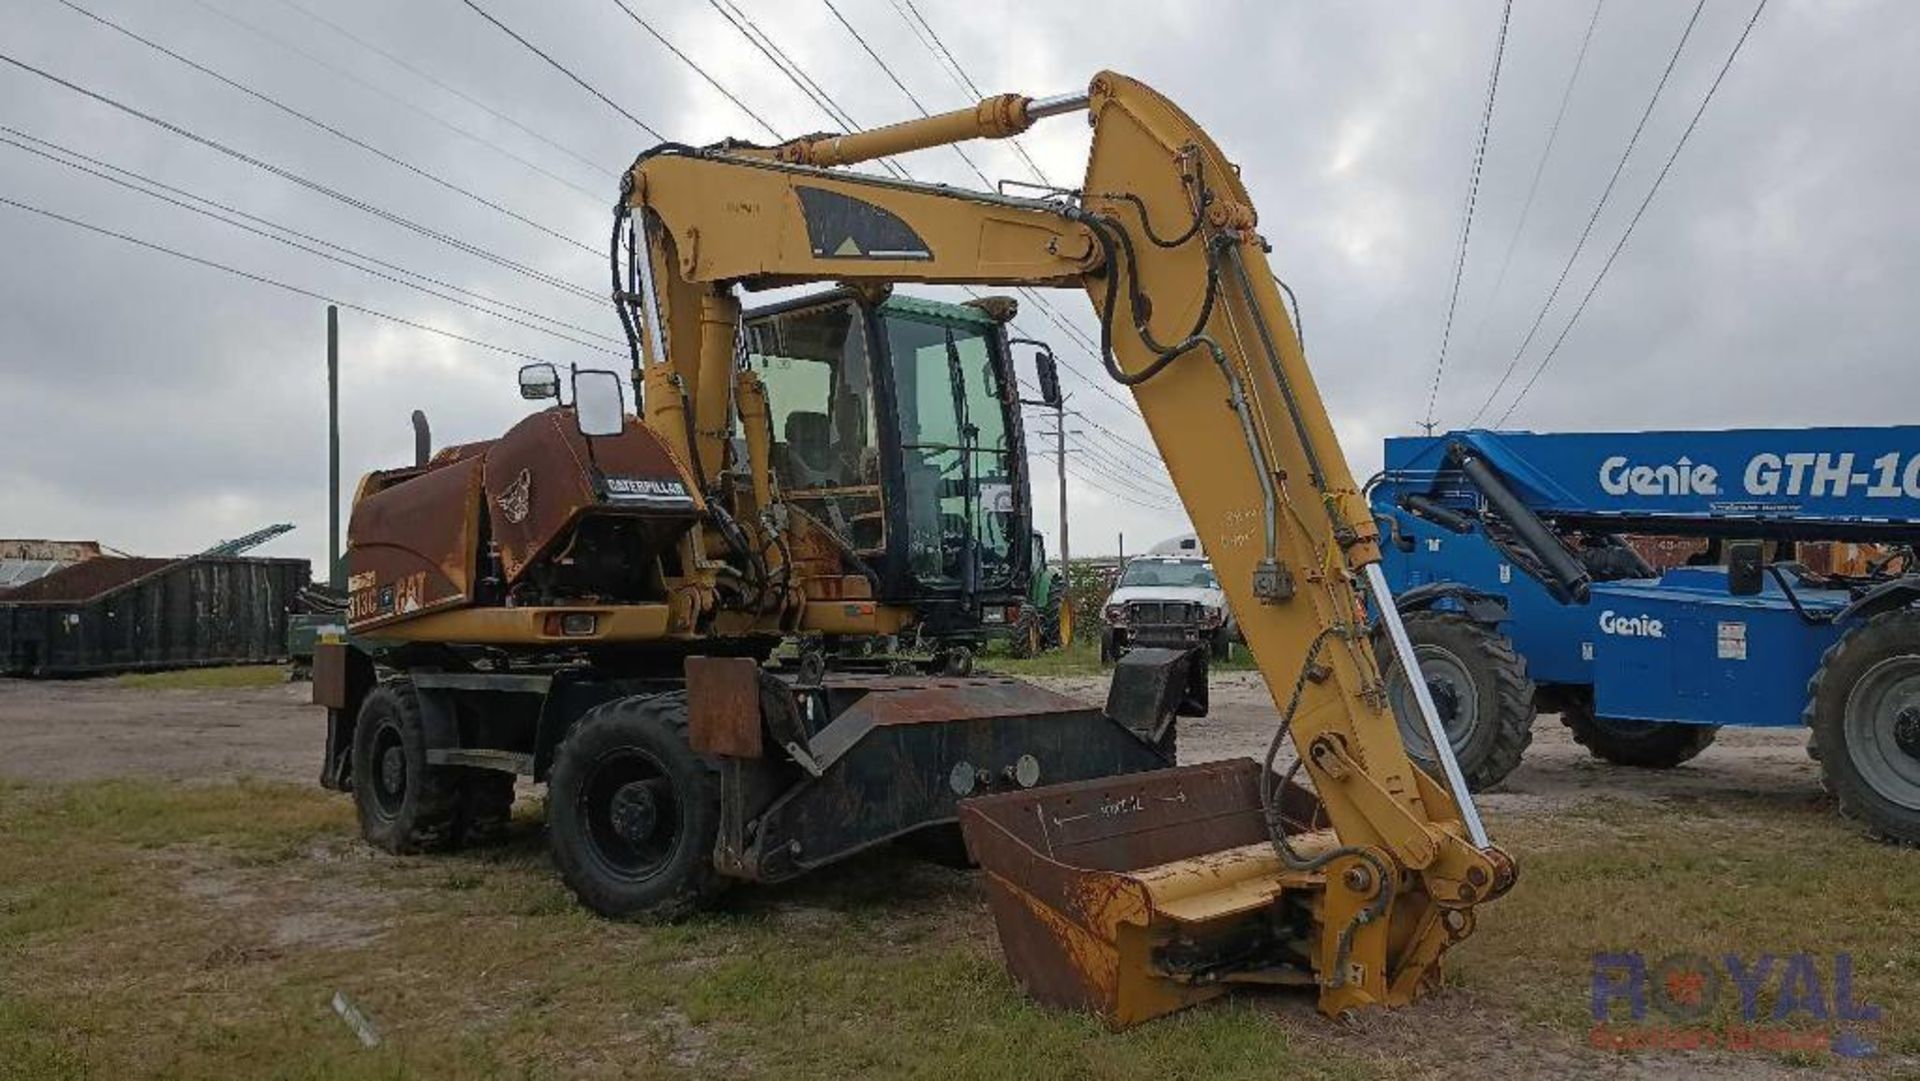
x=74 y=731
x=85 y=730
x=1745 y=762
x=56 y=732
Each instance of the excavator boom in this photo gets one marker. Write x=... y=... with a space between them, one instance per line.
x=1138 y=894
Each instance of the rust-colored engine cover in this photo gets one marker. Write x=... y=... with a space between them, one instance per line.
x=414 y=542
x=541 y=476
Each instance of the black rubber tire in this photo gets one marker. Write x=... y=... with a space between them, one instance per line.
x=1109 y=649
x=1220 y=645
x=405 y=805
x=1887 y=636
x=1642 y=744
x=1050 y=619
x=647 y=733
x=1025 y=639
x=486 y=805
x=1493 y=744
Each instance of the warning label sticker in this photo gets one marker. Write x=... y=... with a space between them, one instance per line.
x=1733 y=641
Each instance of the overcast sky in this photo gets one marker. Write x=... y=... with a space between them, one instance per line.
x=159 y=406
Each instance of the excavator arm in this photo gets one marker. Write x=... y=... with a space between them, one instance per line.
x=1161 y=236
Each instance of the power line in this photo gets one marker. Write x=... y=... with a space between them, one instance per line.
x=1466 y=225
x=1587 y=231
x=375 y=88
x=895 y=79
x=910 y=12
x=1094 y=473
x=932 y=42
x=782 y=62
x=1642 y=209
x=1533 y=189
x=241 y=225
x=404 y=64
x=1140 y=472
x=311 y=185
x=564 y=70
x=1105 y=482
x=698 y=70
x=333 y=131
x=1144 y=458
x=264 y=280
x=1138 y=463
x=1122 y=470
x=794 y=73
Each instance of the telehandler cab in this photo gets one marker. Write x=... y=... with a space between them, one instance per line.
x=588 y=601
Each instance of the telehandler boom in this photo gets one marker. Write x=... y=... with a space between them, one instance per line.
x=1138 y=894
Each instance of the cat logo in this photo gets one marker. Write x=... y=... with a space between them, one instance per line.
x=842 y=227
x=517 y=499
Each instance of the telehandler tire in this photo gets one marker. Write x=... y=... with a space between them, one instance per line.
x=633 y=812
x=1479 y=685
x=1643 y=744
x=1863 y=705
x=405 y=805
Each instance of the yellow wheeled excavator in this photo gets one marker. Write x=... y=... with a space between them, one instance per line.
x=595 y=605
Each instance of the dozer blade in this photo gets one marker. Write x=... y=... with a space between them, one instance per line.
x=1139 y=895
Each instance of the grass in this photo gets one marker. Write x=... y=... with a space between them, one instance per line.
x=1748 y=878
x=222 y=678
x=151 y=930
x=156 y=931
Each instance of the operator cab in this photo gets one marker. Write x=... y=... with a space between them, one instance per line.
x=896 y=426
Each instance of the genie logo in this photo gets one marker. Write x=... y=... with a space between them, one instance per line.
x=1619 y=476
x=1612 y=622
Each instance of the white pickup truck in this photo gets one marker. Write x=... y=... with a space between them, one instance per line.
x=1169 y=601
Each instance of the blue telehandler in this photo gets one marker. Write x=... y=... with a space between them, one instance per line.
x=1505 y=552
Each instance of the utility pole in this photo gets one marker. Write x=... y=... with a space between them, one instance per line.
x=1060 y=458
x=336 y=576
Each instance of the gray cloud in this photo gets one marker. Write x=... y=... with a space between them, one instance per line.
x=159 y=405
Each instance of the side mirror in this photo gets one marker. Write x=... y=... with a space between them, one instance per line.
x=599 y=407
x=1045 y=369
x=539 y=381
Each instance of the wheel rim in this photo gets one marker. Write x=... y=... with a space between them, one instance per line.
x=633 y=814
x=1455 y=698
x=1882 y=725
x=389 y=771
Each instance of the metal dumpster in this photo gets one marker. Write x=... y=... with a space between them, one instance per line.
x=112 y=614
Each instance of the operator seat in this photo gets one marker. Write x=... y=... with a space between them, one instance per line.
x=809 y=451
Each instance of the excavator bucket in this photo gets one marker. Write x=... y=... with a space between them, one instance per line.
x=1139 y=895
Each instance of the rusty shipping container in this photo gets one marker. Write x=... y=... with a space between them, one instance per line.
x=113 y=614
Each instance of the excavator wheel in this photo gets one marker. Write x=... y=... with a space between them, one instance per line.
x=1479 y=685
x=486 y=805
x=1646 y=744
x=405 y=805
x=1863 y=705
x=632 y=811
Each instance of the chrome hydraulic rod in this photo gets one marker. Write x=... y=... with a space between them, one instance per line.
x=1429 y=716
